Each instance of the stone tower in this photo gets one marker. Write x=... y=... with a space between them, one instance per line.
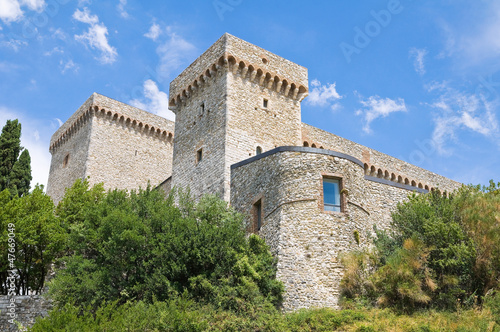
x=233 y=102
x=111 y=142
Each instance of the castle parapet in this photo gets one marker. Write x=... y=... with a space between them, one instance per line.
x=113 y=110
x=246 y=60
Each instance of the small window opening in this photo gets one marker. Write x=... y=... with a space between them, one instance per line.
x=257 y=215
x=258 y=150
x=199 y=155
x=331 y=194
x=265 y=103
x=202 y=109
x=306 y=144
x=66 y=160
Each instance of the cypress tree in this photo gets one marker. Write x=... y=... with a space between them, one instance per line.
x=15 y=174
x=20 y=177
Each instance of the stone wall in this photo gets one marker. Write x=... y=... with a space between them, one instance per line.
x=27 y=308
x=378 y=164
x=110 y=142
x=69 y=157
x=201 y=128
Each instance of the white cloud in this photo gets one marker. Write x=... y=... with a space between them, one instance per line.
x=67 y=65
x=59 y=122
x=121 y=8
x=10 y=10
x=418 y=56
x=37 y=5
x=55 y=50
x=473 y=41
x=174 y=53
x=95 y=37
x=57 y=33
x=154 y=32
x=14 y=44
x=35 y=136
x=156 y=101
x=323 y=95
x=376 y=107
x=85 y=16
x=460 y=111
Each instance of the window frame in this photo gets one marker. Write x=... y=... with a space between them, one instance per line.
x=342 y=198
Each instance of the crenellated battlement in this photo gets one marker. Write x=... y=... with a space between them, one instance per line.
x=127 y=116
x=249 y=62
x=246 y=71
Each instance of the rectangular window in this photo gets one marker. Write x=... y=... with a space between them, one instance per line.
x=265 y=103
x=331 y=194
x=257 y=215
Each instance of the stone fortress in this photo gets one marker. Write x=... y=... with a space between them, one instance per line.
x=238 y=133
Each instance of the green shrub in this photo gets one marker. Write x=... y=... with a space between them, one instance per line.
x=140 y=246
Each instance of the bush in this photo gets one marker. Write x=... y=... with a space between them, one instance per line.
x=441 y=252
x=140 y=246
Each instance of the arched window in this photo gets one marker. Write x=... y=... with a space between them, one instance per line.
x=258 y=150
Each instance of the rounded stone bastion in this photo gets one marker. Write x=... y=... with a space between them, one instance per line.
x=281 y=194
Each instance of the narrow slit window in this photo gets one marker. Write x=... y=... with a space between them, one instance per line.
x=199 y=155
x=258 y=150
x=331 y=195
x=66 y=160
x=265 y=102
x=257 y=211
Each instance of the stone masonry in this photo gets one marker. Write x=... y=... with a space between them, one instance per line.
x=23 y=310
x=239 y=134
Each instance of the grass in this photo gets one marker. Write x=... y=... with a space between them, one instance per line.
x=172 y=316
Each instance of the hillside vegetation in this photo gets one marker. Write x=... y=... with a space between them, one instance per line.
x=139 y=262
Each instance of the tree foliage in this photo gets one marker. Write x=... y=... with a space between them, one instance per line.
x=15 y=170
x=140 y=246
x=38 y=239
x=441 y=251
x=20 y=176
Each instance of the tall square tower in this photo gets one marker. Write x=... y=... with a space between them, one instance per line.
x=233 y=102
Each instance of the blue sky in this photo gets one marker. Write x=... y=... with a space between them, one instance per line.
x=418 y=80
